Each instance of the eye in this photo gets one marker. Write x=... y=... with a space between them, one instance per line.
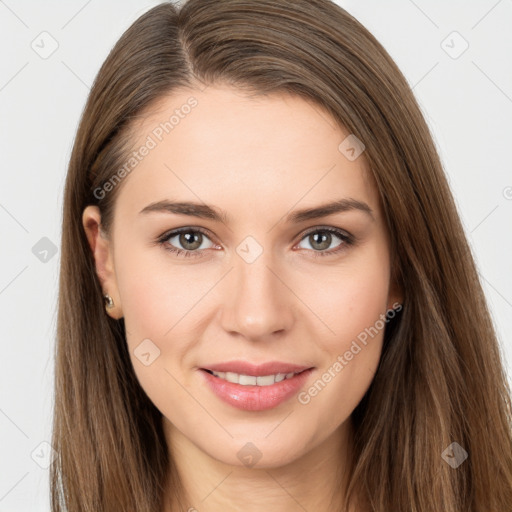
x=322 y=238
x=190 y=239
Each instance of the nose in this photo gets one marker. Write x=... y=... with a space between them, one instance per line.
x=257 y=303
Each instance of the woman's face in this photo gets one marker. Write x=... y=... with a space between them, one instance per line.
x=258 y=279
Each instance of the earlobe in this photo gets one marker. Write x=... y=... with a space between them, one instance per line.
x=101 y=249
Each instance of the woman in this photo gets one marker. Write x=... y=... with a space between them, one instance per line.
x=292 y=319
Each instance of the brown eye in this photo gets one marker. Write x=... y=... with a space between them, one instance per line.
x=185 y=242
x=322 y=239
x=190 y=240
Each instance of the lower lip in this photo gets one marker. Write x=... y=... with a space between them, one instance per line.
x=256 y=398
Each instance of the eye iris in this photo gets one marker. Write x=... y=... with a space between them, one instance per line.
x=324 y=236
x=190 y=237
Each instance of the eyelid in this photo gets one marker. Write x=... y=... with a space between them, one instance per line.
x=347 y=239
x=331 y=229
x=182 y=229
x=185 y=229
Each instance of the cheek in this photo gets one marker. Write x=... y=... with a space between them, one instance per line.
x=155 y=302
x=359 y=330
x=353 y=310
x=356 y=297
x=160 y=302
x=155 y=294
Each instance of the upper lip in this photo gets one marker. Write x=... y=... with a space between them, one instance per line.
x=257 y=370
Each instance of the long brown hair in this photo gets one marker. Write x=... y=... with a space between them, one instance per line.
x=441 y=377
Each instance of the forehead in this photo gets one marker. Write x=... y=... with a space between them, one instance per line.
x=223 y=145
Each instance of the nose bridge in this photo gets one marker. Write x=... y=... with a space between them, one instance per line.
x=257 y=303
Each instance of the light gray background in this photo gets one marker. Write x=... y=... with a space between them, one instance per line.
x=467 y=101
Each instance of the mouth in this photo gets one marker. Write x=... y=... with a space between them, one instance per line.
x=253 y=380
x=261 y=392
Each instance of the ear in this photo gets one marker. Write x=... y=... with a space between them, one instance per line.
x=102 y=250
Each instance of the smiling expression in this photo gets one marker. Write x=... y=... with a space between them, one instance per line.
x=245 y=234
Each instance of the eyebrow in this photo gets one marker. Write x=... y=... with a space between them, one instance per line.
x=205 y=211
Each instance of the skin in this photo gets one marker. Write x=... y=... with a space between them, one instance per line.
x=267 y=155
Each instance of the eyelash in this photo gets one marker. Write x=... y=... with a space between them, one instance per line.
x=347 y=240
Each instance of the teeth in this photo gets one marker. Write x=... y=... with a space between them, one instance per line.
x=251 y=380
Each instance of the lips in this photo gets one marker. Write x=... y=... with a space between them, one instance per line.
x=257 y=370
x=262 y=396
